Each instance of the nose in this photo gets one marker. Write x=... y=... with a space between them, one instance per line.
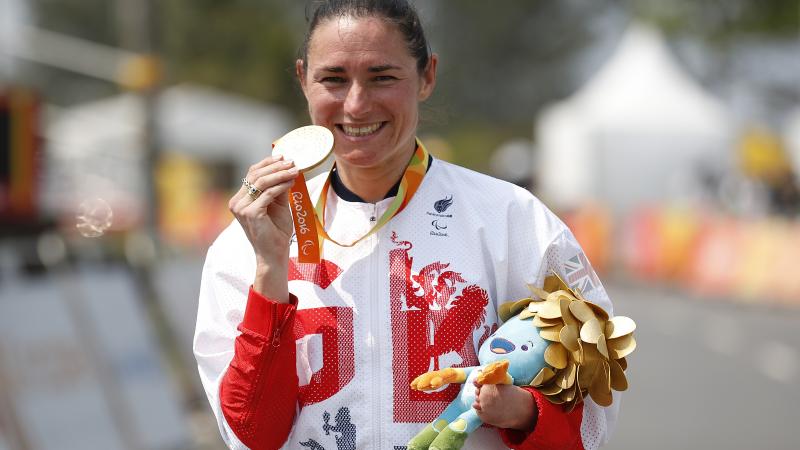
x=357 y=102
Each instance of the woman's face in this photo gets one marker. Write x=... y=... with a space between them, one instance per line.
x=362 y=83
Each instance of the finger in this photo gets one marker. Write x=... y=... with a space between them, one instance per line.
x=237 y=196
x=254 y=175
x=477 y=402
x=259 y=171
x=267 y=165
x=269 y=178
x=485 y=398
x=266 y=183
x=267 y=197
x=264 y=162
x=241 y=200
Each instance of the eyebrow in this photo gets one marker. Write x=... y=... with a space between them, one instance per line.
x=382 y=68
x=373 y=69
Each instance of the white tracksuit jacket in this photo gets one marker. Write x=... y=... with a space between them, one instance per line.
x=399 y=303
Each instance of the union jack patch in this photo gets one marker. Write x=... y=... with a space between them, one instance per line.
x=580 y=274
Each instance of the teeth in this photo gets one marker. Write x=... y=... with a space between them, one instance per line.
x=361 y=131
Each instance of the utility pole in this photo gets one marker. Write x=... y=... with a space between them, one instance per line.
x=137 y=21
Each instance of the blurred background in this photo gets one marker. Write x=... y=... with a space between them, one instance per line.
x=666 y=134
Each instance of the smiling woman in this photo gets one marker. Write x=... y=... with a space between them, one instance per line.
x=396 y=291
x=361 y=82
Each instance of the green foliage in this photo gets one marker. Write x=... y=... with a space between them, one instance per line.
x=246 y=47
x=502 y=64
x=722 y=20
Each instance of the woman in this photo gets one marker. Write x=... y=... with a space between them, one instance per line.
x=334 y=349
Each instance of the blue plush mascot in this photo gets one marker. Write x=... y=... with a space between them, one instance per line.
x=558 y=342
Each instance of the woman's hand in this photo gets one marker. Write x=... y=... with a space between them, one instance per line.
x=505 y=406
x=267 y=222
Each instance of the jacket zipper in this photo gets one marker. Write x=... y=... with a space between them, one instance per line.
x=276 y=335
x=274 y=346
x=374 y=308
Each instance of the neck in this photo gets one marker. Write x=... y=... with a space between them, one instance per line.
x=372 y=183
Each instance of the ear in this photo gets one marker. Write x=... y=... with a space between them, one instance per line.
x=428 y=79
x=301 y=74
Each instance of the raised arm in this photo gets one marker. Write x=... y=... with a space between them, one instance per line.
x=243 y=341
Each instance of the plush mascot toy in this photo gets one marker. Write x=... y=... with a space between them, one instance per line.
x=556 y=341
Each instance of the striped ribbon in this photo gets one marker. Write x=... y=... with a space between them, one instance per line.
x=412 y=178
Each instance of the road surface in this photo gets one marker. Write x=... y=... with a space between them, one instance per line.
x=708 y=374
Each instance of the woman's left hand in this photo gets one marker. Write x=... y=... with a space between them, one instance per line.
x=505 y=406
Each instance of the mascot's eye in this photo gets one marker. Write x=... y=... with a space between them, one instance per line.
x=524 y=348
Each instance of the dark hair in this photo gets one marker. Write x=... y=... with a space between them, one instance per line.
x=398 y=12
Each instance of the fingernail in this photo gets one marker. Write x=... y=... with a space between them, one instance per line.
x=293 y=171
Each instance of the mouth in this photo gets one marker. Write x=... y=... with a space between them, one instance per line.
x=360 y=130
x=501 y=346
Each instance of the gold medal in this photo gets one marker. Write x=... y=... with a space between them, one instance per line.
x=307 y=146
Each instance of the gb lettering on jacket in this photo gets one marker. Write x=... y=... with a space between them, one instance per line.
x=436 y=314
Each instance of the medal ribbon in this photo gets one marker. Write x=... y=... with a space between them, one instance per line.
x=412 y=178
x=305 y=226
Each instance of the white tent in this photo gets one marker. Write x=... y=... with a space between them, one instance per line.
x=97 y=149
x=637 y=128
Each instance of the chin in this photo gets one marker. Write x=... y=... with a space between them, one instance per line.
x=359 y=153
x=358 y=158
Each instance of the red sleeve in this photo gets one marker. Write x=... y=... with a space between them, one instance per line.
x=258 y=392
x=554 y=428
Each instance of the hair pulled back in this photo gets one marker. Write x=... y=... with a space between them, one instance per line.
x=398 y=12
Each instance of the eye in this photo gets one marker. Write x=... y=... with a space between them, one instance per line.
x=332 y=80
x=524 y=348
x=384 y=78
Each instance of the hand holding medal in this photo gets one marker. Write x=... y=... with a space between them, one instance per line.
x=308 y=147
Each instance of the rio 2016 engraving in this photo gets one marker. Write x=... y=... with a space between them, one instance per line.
x=302 y=225
x=297 y=203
